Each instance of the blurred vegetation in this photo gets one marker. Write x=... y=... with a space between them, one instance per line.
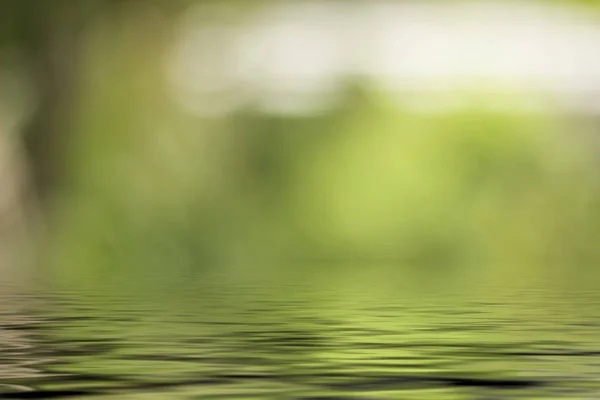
x=146 y=189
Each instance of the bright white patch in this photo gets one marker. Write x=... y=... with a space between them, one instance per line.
x=292 y=57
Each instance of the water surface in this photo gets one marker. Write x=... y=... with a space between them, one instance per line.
x=261 y=342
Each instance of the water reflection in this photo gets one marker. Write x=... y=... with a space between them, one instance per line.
x=252 y=342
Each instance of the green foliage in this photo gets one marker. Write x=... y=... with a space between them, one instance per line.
x=494 y=192
x=490 y=187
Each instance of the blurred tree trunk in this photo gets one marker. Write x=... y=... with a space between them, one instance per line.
x=54 y=34
x=51 y=38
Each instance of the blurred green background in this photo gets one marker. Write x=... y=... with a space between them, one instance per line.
x=176 y=142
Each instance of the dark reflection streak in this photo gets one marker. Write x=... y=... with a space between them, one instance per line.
x=86 y=378
x=424 y=382
x=49 y=394
x=374 y=383
x=564 y=353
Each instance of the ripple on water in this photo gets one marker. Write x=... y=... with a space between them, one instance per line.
x=78 y=345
